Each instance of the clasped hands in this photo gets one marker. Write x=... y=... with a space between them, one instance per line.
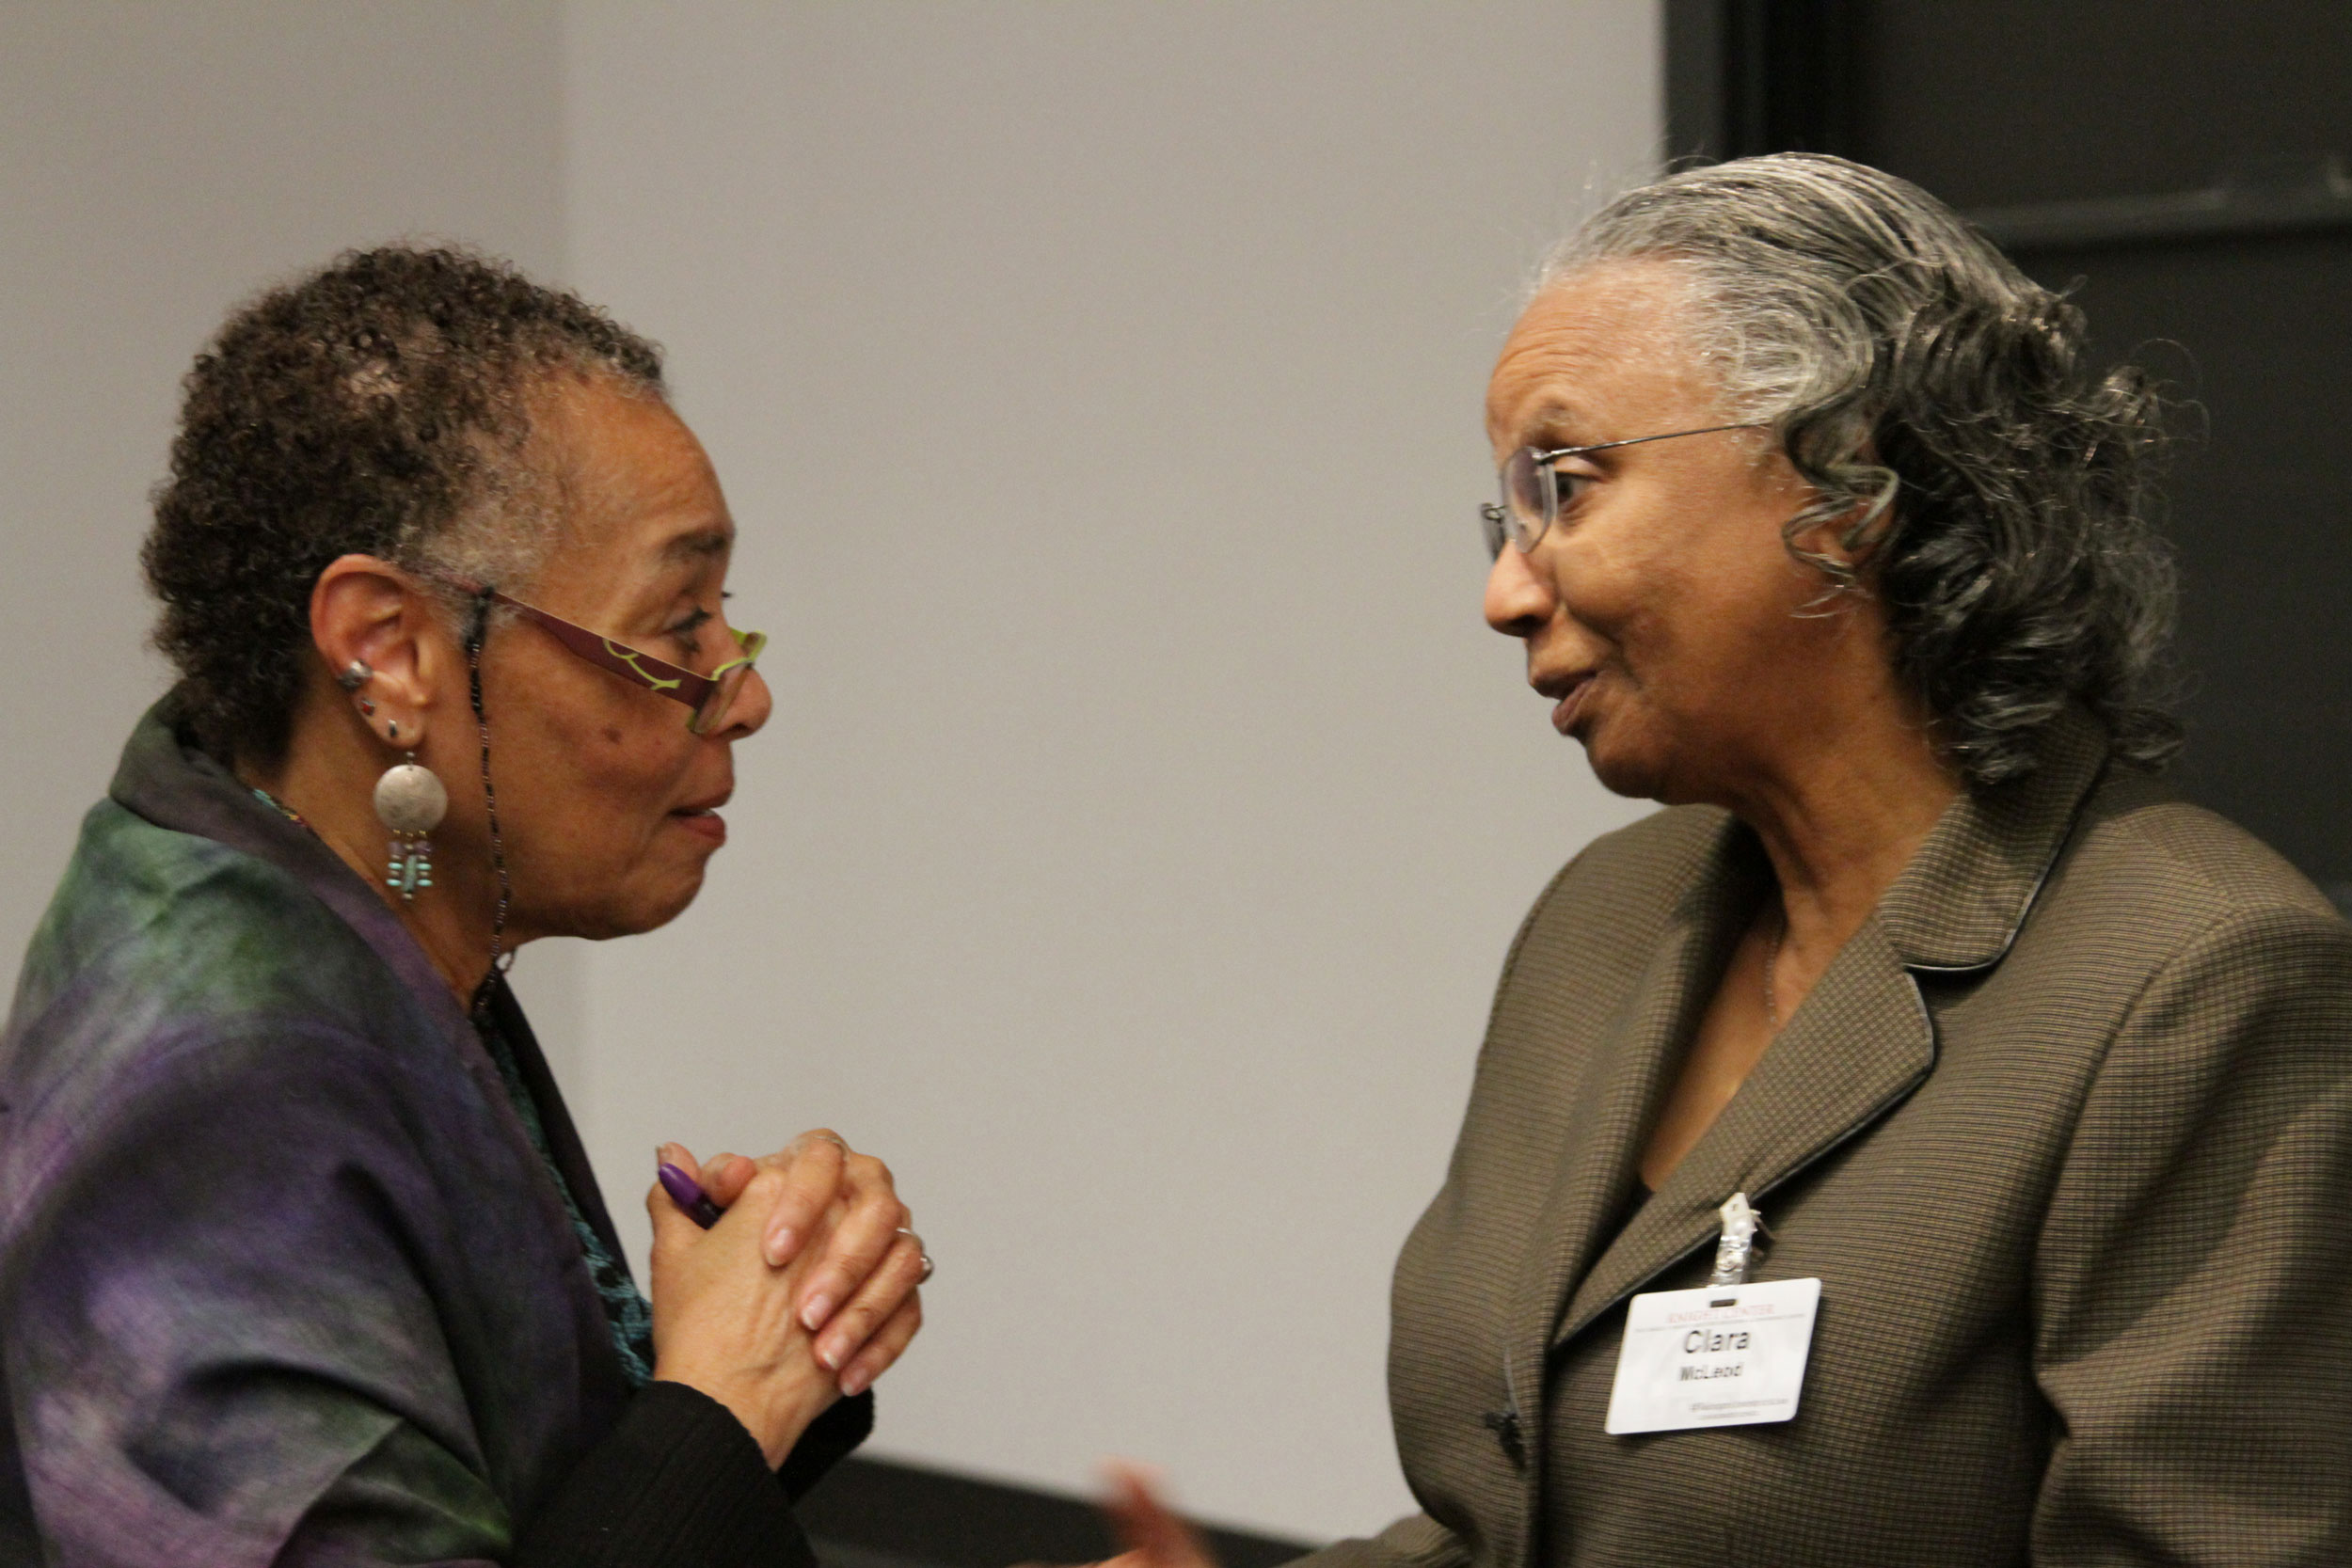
x=805 y=1289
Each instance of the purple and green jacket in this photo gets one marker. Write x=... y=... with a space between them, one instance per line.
x=283 y=1278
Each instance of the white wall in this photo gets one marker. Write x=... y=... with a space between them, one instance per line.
x=161 y=163
x=1145 y=810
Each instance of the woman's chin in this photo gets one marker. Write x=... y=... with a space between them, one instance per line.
x=659 y=912
x=644 y=907
x=1623 y=769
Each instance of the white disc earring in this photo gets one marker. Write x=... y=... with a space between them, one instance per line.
x=410 y=802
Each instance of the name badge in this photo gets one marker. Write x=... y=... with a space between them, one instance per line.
x=1717 y=1357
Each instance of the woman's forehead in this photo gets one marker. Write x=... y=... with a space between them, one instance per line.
x=645 y=511
x=628 y=453
x=653 y=549
x=1591 y=352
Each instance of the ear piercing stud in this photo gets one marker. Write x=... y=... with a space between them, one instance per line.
x=355 y=676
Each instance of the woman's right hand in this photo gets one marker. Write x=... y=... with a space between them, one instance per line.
x=1154 y=1535
x=725 y=1320
x=858 y=1294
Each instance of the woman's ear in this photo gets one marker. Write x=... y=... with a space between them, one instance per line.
x=1832 y=543
x=1845 y=543
x=368 y=614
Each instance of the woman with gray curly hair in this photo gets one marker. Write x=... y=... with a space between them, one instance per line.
x=1925 y=1142
x=301 y=1259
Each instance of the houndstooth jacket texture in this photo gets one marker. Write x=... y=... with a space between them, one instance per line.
x=2066 y=1133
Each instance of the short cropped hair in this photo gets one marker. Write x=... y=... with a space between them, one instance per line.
x=1997 y=484
x=378 y=406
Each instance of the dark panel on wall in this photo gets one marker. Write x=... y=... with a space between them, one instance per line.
x=1748 y=76
x=2186 y=168
x=2259 y=510
x=1991 y=102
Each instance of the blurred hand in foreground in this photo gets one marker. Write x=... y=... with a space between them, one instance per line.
x=1154 y=1535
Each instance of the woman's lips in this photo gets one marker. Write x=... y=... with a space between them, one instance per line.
x=1564 y=711
x=706 y=822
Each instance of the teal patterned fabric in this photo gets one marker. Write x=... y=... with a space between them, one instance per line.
x=624 y=1306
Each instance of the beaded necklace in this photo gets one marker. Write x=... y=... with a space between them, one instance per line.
x=283 y=810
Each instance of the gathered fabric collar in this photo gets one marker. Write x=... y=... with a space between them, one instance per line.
x=165 y=777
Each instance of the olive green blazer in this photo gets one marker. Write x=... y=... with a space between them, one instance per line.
x=2066 y=1133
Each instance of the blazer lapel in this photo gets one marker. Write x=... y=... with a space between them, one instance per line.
x=1864 y=1038
x=1860 y=1044
x=1625 y=1078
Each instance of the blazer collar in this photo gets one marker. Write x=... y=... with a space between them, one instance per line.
x=1861 y=1043
x=1961 y=902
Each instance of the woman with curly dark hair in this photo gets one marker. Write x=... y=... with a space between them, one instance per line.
x=1925 y=1143
x=300 y=1257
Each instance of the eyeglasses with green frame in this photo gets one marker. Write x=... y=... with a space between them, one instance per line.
x=1531 y=489
x=710 y=698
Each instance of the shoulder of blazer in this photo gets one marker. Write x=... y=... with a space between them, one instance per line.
x=1620 y=890
x=2207 y=865
x=2145 y=885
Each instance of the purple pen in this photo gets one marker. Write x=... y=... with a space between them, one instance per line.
x=689 y=1195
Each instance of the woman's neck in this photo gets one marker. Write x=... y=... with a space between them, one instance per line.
x=1838 y=825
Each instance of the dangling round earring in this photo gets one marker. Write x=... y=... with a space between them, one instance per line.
x=410 y=802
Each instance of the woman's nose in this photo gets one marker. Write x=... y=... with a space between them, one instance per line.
x=1520 y=598
x=754 y=703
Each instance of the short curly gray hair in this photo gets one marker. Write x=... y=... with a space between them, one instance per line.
x=1929 y=391
x=380 y=405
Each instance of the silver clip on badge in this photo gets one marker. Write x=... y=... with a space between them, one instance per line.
x=1736 y=1253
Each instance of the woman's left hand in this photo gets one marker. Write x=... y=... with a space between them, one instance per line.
x=860 y=1296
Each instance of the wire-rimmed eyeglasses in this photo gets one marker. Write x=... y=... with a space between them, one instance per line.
x=710 y=697
x=1531 y=488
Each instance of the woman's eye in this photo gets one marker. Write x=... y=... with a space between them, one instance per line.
x=1570 y=484
x=689 y=631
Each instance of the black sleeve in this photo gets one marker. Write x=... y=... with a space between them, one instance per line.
x=826 y=1443
x=678 y=1483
